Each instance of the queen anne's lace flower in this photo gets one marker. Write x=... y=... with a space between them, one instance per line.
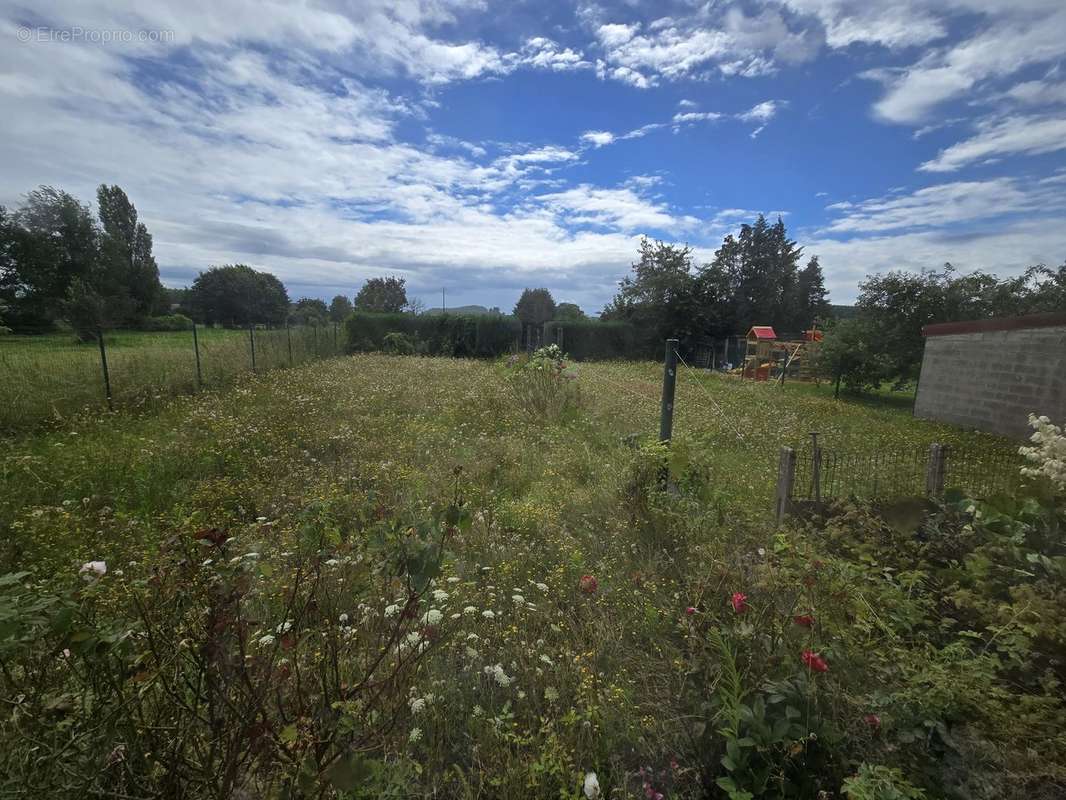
x=1049 y=453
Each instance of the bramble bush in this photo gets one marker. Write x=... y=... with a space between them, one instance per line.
x=544 y=384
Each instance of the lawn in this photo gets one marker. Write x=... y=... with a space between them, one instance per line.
x=381 y=576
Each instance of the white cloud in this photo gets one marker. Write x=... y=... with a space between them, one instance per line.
x=597 y=138
x=762 y=112
x=1009 y=136
x=620 y=209
x=1002 y=48
x=1038 y=93
x=945 y=205
x=696 y=116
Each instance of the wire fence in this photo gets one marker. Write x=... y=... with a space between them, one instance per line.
x=52 y=377
x=823 y=474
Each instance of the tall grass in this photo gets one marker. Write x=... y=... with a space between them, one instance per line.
x=46 y=379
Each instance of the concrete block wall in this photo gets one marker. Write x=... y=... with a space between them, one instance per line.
x=992 y=380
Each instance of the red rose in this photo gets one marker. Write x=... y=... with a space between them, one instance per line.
x=806 y=620
x=587 y=584
x=740 y=602
x=814 y=662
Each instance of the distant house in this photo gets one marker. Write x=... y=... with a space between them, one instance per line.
x=991 y=374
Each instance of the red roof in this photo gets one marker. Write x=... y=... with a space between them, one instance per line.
x=762 y=332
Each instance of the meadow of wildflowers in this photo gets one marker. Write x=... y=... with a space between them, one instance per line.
x=385 y=577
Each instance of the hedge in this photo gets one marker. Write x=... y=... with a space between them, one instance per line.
x=493 y=335
x=476 y=336
x=592 y=340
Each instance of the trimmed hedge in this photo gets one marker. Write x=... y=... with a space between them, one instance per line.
x=493 y=335
x=474 y=336
x=592 y=340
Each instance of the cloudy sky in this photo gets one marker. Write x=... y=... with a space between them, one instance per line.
x=487 y=145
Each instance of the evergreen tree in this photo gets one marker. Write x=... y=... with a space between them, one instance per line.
x=811 y=297
x=128 y=276
x=340 y=308
x=661 y=293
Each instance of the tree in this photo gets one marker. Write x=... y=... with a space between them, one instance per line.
x=535 y=307
x=382 y=295
x=851 y=353
x=127 y=276
x=237 y=295
x=662 y=293
x=50 y=241
x=569 y=312
x=340 y=308
x=811 y=302
x=309 y=311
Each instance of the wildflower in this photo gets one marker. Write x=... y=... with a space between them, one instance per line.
x=284 y=627
x=470 y=610
x=592 y=786
x=344 y=619
x=266 y=641
x=415 y=735
x=433 y=616
x=690 y=611
x=487 y=614
x=91 y=570
x=517 y=598
x=873 y=721
x=453 y=579
x=740 y=602
x=392 y=610
x=814 y=662
x=588 y=585
x=806 y=620
x=440 y=595
x=418 y=705
x=551 y=694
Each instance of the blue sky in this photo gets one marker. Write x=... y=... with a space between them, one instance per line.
x=487 y=146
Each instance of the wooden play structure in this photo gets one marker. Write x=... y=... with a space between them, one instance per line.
x=769 y=358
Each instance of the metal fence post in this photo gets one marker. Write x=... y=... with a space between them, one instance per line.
x=196 y=349
x=816 y=468
x=666 y=417
x=251 y=338
x=936 y=469
x=103 y=365
x=288 y=338
x=334 y=338
x=786 y=477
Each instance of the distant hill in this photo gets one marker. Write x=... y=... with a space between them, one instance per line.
x=469 y=310
x=843 y=312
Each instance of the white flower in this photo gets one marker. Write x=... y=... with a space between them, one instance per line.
x=284 y=627
x=592 y=786
x=433 y=616
x=416 y=735
x=440 y=595
x=418 y=705
x=91 y=570
x=547 y=661
x=517 y=598
x=498 y=675
x=344 y=619
x=332 y=562
x=392 y=611
x=453 y=579
x=470 y=610
x=543 y=587
x=487 y=614
x=551 y=694
x=266 y=641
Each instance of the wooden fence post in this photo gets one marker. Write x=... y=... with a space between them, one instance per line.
x=103 y=365
x=288 y=339
x=816 y=468
x=196 y=349
x=936 y=469
x=786 y=476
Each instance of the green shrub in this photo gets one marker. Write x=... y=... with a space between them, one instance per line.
x=168 y=322
x=544 y=384
x=398 y=344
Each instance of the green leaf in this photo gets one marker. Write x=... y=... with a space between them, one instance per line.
x=349 y=773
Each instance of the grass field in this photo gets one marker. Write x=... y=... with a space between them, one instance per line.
x=378 y=576
x=48 y=379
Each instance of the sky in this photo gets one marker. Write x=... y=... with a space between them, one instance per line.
x=482 y=146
